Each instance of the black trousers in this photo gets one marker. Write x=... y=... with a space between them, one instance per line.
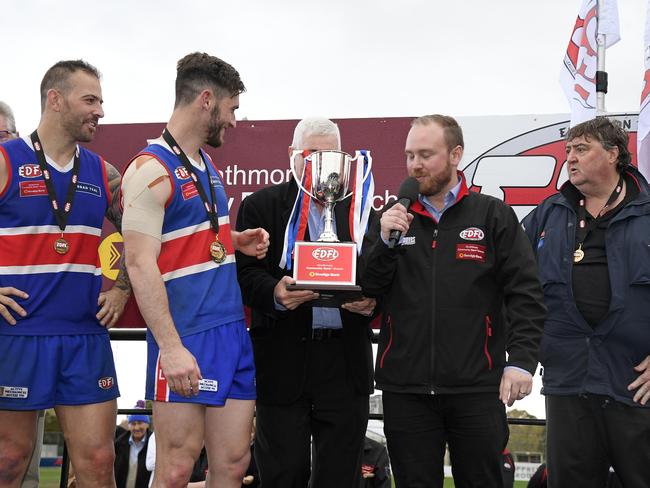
x=331 y=412
x=587 y=434
x=417 y=427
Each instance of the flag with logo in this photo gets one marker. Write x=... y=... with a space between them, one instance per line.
x=643 y=132
x=578 y=74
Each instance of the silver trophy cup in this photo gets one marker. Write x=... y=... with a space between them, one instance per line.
x=330 y=176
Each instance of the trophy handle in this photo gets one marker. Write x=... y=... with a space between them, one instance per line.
x=292 y=165
x=356 y=158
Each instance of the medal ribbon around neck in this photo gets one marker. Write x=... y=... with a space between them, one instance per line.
x=61 y=245
x=217 y=249
x=585 y=228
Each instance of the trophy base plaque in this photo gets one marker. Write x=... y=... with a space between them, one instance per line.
x=329 y=268
x=330 y=296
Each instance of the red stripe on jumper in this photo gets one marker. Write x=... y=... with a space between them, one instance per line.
x=192 y=249
x=38 y=249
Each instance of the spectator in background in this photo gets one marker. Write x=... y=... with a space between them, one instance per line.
x=131 y=453
x=375 y=468
x=7 y=123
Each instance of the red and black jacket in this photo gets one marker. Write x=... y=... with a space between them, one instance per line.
x=457 y=294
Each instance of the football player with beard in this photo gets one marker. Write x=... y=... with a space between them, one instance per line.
x=180 y=253
x=54 y=195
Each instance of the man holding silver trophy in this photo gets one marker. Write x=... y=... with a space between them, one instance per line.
x=311 y=342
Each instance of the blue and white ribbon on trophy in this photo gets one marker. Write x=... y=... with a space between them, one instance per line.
x=361 y=204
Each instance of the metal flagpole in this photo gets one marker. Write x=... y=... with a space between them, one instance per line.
x=601 y=74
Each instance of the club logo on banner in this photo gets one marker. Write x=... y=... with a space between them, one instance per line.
x=526 y=169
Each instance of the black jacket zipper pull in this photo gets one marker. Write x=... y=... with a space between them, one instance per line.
x=435 y=236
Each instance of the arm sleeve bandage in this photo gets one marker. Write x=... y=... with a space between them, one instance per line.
x=142 y=210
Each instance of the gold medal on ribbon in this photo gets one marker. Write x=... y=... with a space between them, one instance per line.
x=217 y=251
x=578 y=255
x=61 y=246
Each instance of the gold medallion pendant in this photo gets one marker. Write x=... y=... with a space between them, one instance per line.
x=218 y=252
x=578 y=255
x=61 y=246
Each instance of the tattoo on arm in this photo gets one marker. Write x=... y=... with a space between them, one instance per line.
x=114 y=216
x=123 y=282
x=114 y=213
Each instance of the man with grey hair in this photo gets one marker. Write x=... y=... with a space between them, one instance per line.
x=314 y=365
x=7 y=123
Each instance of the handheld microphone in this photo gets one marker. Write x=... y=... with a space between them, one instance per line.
x=408 y=193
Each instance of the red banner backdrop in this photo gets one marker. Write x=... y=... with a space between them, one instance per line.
x=519 y=159
x=254 y=156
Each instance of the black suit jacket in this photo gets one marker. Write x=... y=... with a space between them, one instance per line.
x=122 y=452
x=281 y=340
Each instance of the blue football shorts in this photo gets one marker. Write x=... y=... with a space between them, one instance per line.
x=225 y=357
x=39 y=372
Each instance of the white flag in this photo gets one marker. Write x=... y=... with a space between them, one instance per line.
x=578 y=74
x=643 y=132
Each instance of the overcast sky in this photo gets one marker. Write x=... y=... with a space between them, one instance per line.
x=337 y=58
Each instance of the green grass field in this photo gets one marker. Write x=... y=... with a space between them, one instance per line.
x=50 y=477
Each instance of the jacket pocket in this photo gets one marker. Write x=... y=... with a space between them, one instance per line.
x=550 y=264
x=466 y=347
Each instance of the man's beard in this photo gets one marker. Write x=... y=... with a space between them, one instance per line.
x=433 y=184
x=214 y=129
x=75 y=127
